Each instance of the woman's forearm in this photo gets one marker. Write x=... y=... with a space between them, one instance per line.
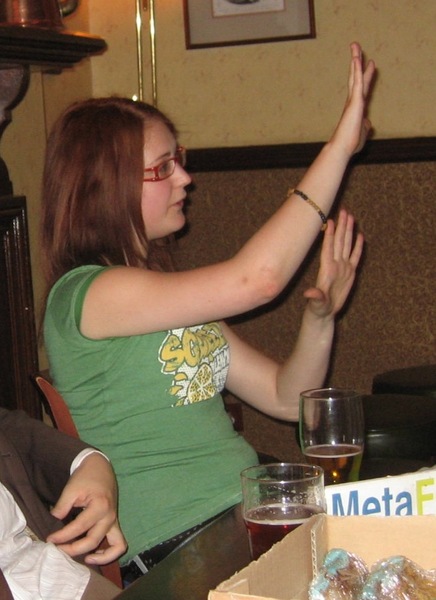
x=275 y=252
x=307 y=366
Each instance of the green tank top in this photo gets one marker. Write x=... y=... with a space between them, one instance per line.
x=152 y=403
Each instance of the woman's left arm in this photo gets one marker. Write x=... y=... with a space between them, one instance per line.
x=273 y=388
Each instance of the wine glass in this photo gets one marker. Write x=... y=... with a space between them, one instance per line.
x=332 y=432
x=277 y=498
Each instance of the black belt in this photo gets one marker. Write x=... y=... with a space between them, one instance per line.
x=144 y=561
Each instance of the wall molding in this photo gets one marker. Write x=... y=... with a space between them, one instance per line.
x=282 y=156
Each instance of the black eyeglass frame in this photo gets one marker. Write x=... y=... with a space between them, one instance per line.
x=178 y=159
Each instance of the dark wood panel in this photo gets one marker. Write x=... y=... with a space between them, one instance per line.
x=18 y=346
x=282 y=156
x=5 y=182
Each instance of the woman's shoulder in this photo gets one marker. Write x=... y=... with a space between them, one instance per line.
x=72 y=285
x=65 y=300
x=77 y=276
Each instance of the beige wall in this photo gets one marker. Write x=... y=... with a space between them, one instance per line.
x=253 y=94
x=278 y=92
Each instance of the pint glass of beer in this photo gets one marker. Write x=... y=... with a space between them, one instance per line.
x=332 y=432
x=278 y=497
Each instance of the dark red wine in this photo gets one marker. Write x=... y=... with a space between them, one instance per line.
x=268 y=525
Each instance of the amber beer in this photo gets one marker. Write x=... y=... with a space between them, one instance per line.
x=340 y=462
x=267 y=525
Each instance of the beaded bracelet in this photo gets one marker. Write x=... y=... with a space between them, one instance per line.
x=312 y=203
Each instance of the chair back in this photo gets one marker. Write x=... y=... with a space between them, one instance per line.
x=62 y=420
x=56 y=407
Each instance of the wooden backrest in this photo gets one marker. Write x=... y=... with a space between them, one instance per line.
x=62 y=420
x=56 y=407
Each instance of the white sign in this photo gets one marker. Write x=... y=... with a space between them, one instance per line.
x=410 y=494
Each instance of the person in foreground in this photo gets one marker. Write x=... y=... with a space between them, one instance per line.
x=35 y=546
x=140 y=352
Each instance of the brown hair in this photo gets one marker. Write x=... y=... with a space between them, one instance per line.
x=92 y=186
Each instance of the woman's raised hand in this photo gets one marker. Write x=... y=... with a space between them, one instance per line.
x=354 y=126
x=339 y=260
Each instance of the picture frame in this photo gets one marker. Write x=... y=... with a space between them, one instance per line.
x=215 y=23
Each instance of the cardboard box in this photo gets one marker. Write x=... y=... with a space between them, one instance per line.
x=399 y=495
x=285 y=572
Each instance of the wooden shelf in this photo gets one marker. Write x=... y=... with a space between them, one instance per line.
x=46 y=47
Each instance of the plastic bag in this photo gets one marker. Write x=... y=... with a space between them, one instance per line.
x=341 y=577
x=400 y=578
x=344 y=576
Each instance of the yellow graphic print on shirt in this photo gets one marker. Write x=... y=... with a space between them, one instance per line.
x=197 y=358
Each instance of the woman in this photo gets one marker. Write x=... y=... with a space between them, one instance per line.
x=141 y=353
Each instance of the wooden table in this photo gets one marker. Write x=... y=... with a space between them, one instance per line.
x=218 y=551
x=200 y=564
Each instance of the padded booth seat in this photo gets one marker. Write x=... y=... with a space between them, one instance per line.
x=420 y=380
x=400 y=426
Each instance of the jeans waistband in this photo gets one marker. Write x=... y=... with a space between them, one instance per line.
x=144 y=561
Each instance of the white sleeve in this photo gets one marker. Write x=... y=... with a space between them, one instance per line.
x=81 y=457
x=34 y=569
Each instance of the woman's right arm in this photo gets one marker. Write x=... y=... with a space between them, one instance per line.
x=129 y=301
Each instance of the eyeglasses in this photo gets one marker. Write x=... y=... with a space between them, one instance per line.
x=166 y=168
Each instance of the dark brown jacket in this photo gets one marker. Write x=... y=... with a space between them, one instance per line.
x=35 y=462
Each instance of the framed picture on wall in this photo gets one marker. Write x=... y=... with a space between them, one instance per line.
x=210 y=23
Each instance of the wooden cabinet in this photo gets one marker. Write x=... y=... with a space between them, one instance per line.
x=52 y=50
x=18 y=340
